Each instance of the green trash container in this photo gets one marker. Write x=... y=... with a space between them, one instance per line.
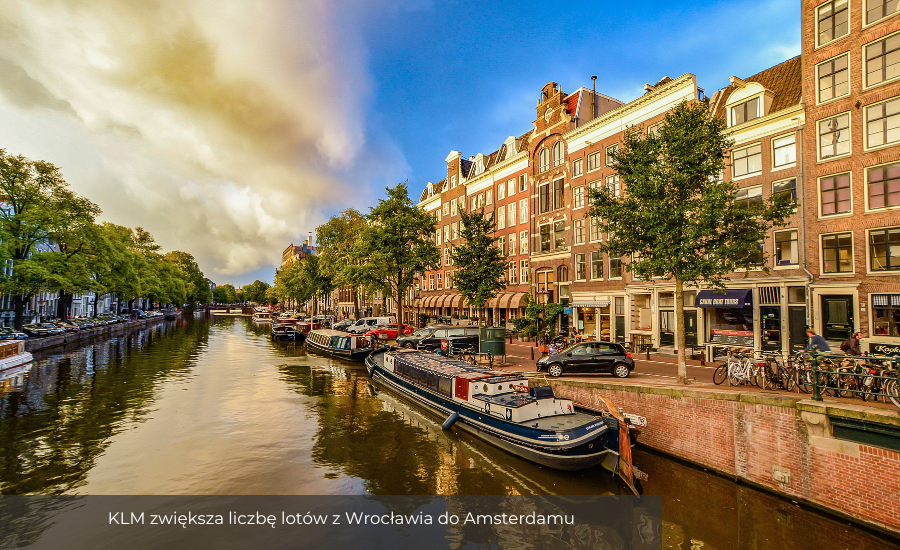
x=493 y=341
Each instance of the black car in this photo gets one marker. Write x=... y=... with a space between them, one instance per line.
x=42 y=329
x=588 y=357
x=430 y=337
x=7 y=333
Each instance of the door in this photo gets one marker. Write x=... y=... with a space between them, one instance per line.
x=797 y=327
x=690 y=327
x=604 y=357
x=771 y=327
x=666 y=328
x=837 y=317
x=620 y=328
x=579 y=359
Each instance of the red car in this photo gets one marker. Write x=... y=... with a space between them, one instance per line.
x=389 y=330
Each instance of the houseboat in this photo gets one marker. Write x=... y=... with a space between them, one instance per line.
x=13 y=354
x=339 y=344
x=286 y=328
x=262 y=317
x=501 y=408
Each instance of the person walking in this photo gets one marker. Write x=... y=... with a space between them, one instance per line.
x=816 y=341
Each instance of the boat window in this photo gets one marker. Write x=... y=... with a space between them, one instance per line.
x=445 y=386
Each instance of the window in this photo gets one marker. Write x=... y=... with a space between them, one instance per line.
x=453 y=209
x=481 y=200
x=523 y=183
x=562 y=274
x=747 y=160
x=596 y=265
x=437 y=237
x=787 y=187
x=833 y=78
x=784 y=150
x=501 y=218
x=446 y=208
x=837 y=253
x=878 y=9
x=544 y=197
x=523 y=271
x=743 y=112
x=546 y=238
x=749 y=195
x=452 y=181
x=613 y=186
x=595 y=229
x=501 y=191
x=511 y=213
x=578 y=197
x=440 y=282
x=834 y=136
x=833 y=21
x=579 y=231
x=454 y=230
x=558 y=194
x=512 y=245
x=883 y=60
x=611 y=150
x=510 y=188
x=501 y=244
x=577 y=168
x=594 y=161
x=886 y=314
x=489 y=197
x=653 y=129
x=431 y=281
x=884 y=249
x=448 y=279
x=513 y=276
x=523 y=242
x=755 y=257
x=523 y=211
x=474 y=204
x=558 y=153
x=883 y=123
x=787 y=249
x=559 y=233
x=835 y=191
x=447 y=256
x=580 y=271
x=544 y=160
x=615 y=268
x=446 y=233
x=884 y=186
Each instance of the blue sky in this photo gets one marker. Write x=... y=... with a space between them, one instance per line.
x=230 y=130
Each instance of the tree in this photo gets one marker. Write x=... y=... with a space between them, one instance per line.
x=38 y=209
x=397 y=245
x=480 y=263
x=255 y=291
x=338 y=253
x=677 y=220
x=225 y=294
x=196 y=287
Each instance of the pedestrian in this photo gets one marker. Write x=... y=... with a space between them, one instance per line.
x=851 y=345
x=816 y=341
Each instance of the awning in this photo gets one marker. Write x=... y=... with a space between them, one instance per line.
x=516 y=300
x=591 y=303
x=495 y=301
x=732 y=298
x=457 y=298
x=445 y=300
x=429 y=300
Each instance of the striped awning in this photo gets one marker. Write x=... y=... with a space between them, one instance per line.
x=429 y=301
x=445 y=300
x=495 y=301
x=456 y=301
x=515 y=300
x=593 y=303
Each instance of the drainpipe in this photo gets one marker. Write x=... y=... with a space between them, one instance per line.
x=594 y=99
x=802 y=186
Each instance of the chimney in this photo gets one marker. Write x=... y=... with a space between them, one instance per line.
x=594 y=99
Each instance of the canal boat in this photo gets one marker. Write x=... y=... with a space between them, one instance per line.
x=13 y=354
x=262 y=317
x=286 y=328
x=339 y=344
x=503 y=409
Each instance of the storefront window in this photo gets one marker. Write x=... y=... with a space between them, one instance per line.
x=731 y=326
x=886 y=314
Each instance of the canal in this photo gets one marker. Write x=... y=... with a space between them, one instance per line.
x=197 y=407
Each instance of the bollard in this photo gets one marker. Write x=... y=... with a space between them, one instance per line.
x=648 y=353
x=817 y=394
x=532 y=354
x=703 y=358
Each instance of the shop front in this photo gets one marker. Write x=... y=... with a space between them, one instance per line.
x=884 y=338
x=729 y=316
x=591 y=315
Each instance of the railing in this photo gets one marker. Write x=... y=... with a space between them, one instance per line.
x=863 y=376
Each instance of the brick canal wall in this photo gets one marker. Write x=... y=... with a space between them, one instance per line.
x=784 y=444
x=82 y=336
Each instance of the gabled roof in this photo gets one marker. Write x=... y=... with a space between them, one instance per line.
x=784 y=80
x=572 y=102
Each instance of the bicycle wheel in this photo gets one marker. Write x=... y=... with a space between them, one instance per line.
x=845 y=383
x=805 y=379
x=788 y=378
x=720 y=374
x=892 y=392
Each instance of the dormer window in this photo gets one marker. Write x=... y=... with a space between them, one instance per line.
x=743 y=112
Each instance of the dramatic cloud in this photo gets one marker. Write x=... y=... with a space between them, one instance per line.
x=225 y=129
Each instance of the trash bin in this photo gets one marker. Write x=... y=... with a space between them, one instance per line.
x=493 y=341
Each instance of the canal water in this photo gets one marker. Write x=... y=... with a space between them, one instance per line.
x=197 y=407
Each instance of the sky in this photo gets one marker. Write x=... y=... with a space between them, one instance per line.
x=232 y=129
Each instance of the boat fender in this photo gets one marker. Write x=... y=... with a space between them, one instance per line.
x=451 y=420
x=370 y=371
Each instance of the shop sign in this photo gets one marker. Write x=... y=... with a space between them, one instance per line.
x=880 y=348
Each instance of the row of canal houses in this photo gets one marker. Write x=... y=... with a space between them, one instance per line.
x=823 y=128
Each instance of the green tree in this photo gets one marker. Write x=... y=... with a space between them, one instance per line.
x=255 y=291
x=225 y=294
x=397 y=245
x=677 y=220
x=339 y=256
x=196 y=286
x=39 y=209
x=480 y=263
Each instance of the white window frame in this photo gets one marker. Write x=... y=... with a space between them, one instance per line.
x=583 y=266
x=869 y=271
x=511 y=187
x=865 y=69
x=578 y=231
x=591 y=265
x=523 y=242
x=866 y=190
x=817 y=18
x=501 y=217
x=819 y=136
x=511 y=244
x=511 y=214
x=523 y=182
x=523 y=210
x=866 y=146
x=577 y=167
x=774 y=156
x=595 y=155
x=741 y=148
x=558 y=155
x=524 y=272
x=577 y=197
x=852 y=254
x=775 y=248
x=501 y=191
x=819 y=101
x=819 y=196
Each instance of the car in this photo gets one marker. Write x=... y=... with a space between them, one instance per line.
x=430 y=337
x=389 y=331
x=589 y=357
x=368 y=323
x=69 y=326
x=42 y=329
x=7 y=333
x=342 y=325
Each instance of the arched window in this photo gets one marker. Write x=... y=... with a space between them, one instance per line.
x=562 y=274
x=544 y=160
x=558 y=153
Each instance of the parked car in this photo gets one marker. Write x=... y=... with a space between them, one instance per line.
x=7 y=333
x=389 y=331
x=69 y=326
x=38 y=330
x=368 y=323
x=589 y=357
x=430 y=337
x=342 y=325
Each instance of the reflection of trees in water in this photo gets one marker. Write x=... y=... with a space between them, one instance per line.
x=54 y=427
x=280 y=348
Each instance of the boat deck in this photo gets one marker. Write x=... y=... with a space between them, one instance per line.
x=561 y=422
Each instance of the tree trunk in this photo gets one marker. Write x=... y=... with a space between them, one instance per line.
x=679 y=331
x=355 y=302
x=64 y=305
x=19 y=307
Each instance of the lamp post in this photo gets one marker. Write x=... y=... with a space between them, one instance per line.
x=543 y=296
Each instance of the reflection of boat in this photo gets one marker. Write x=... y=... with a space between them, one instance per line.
x=13 y=377
x=339 y=344
x=13 y=354
x=502 y=409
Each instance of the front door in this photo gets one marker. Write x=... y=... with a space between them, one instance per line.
x=690 y=327
x=666 y=328
x=797 y=327
x=837 y=317
x=771 y=327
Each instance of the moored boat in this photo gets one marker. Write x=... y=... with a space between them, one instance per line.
x=285 y=328
x=13 y=354
x=339 y=344
x=262 y=317
x=503 y=409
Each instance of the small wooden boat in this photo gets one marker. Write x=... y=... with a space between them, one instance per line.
x=501 y=408
x=13 y=354
x=339 y=344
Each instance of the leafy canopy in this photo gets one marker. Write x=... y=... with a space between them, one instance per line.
x=480 y=262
